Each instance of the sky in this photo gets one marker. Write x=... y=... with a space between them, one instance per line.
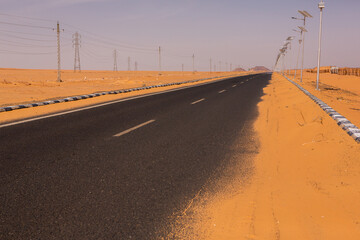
x=241 y=33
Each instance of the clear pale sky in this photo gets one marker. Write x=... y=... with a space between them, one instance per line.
x=244 y=33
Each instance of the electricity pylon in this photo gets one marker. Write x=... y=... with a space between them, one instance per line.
x=77 y=45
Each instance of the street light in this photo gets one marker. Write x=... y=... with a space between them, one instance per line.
x=303 y=30
x=283 y=52
x=321 y=7
x=297 y=59
x=288 y=40
x=305 y=14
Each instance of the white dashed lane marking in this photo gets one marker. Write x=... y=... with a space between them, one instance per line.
x=133 y=128
x=198 y=101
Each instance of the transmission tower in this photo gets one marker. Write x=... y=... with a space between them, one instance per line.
x=129 y=68
x=159 y=60
x=193 y=58
x=115 y=61
x=77 y=44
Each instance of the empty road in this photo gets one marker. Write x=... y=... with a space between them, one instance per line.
x=120 y=171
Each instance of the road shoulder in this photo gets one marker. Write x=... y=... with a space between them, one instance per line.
x=305 y=178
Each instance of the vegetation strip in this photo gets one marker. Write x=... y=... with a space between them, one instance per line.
x=343 y=122
x=80 y=97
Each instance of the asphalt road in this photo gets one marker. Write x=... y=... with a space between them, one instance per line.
x=123 y=170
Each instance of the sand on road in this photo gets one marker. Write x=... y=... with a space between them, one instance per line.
x=301 y=179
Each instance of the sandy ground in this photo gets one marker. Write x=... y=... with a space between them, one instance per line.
x=18 y=86
x=25 y=85
x=300 y=180
x=341 y=92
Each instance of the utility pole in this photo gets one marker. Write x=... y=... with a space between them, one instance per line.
x=321 y=7
x=305 y=14
x=129 y=68
x=182 y=68
x=230 y=66
x=220 y=66
x=210 y=65
x=193 y=58
x=115 y=61
x=303 y=54
x=58 y=53
x=77 y=45
x=297 y=59
x=136 y=66
x=226 y=68
x=159 y=60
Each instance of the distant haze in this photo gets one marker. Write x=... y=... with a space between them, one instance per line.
x=236 y=33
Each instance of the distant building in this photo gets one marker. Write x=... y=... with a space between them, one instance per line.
x=334 y=70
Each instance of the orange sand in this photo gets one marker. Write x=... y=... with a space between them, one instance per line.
x=341 y=92
x=302 y=184
x=18 y=86
x=23 y=85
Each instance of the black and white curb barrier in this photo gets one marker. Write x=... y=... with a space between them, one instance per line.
x=80 y=97
x=344 y=123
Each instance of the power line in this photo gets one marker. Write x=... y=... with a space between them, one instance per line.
x=112 y=46
x=108 y=39
x=27 y=53
x=26 y=33
x=20 y=44
x=30 y=39
x=24 y=25
x=93 y=54
x=17 y=16
x=119 y=45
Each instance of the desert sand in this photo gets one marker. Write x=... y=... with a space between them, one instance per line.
x=341 y=92
x=19 y=86
x=26 y=85
x=304 y=169
x=304 y=182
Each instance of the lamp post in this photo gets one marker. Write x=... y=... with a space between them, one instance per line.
x=303 y=51
x=288 y=40
x=321 y=7
x=283 y=52
x=305 y=15
x=297 y=59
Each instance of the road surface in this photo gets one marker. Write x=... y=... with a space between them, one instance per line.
x=120 y=171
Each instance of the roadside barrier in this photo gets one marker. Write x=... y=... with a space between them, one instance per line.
x=344 y=123
x=80 y=97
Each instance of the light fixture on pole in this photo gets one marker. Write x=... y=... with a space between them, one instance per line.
x=305 y=14
x=321 y=7
x=303 y=51
x=289 y=39
x=283 y=52
x=297 y=59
